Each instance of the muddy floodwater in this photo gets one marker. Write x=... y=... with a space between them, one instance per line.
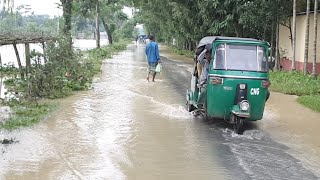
x=127 y=128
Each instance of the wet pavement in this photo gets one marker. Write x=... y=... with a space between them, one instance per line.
x=127 y=128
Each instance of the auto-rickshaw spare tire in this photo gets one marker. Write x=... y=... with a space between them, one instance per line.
x=237 y=124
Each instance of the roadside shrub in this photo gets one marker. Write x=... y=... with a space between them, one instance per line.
x=312 y=102
x=294 y=83
x=187 y=53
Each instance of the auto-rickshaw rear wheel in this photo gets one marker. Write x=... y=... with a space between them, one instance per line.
x=238 y=124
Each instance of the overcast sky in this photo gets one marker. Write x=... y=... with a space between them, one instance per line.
x=42 y=6
x=49 y=7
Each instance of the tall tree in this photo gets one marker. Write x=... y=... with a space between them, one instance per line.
x=107 y=10
x=306 y=48
x=293 y=65
x=314 y=63
x=67 y=14
x=97 y=24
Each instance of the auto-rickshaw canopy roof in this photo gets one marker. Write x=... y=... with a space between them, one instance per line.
x=211 y=39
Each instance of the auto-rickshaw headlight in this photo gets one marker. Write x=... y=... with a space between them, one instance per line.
x=244 y=105
x=242 y=86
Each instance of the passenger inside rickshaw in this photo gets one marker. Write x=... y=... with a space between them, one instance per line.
x=203 y=64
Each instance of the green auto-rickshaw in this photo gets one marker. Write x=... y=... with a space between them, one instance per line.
x=236 y=83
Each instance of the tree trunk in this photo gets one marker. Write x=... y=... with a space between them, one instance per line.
x=28 y=60
x=290 y=29
x=18 y=59
x=1 y=79
x=277 y=58
x=44 y=53
x=0 y=61
x=315 y=38
x=67 y=13
x=306 y=48
x=293 y=65
x=271 y=44
x=106 y=27
x=264 y=32
x=97 y=25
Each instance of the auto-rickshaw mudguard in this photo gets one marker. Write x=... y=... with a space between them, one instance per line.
x=202 y=96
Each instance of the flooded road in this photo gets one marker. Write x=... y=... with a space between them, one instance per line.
x=127 y=128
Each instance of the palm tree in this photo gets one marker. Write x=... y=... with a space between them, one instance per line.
x=293 y=66
x=306 y=48
x=315 y=38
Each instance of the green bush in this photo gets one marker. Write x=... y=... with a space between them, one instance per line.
x=312 y=102
x=26 y=114
x=294 y=83
x=183 y=52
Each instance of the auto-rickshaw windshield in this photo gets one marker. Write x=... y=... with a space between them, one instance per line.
x=240 y=57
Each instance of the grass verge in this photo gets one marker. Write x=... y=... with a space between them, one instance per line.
x=26 y=114
x=296 y=83
x=183 y=52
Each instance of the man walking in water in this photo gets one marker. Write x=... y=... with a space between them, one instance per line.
x=152 y=52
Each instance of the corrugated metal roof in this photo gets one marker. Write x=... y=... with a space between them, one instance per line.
x=211 y=39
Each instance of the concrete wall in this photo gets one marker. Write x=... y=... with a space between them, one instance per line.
x=286 y=48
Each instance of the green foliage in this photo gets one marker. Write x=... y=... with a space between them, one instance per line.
x=26 y=114
x=312 y=102
x=126 y=31
x=107 y=51
x=187 y=53
x=8 y=70
x=110 y=13
x=294 y=83
x=17 y=22
x=63 y=73
x=189 y=21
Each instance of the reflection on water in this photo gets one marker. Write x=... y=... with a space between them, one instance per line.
x=86 y=44
x=8 y=55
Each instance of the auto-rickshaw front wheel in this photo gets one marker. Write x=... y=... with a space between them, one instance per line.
x=237 y=124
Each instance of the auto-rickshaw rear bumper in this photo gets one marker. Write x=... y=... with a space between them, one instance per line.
x=236 y=110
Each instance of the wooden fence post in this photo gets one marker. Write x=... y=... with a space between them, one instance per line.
x=0 y=61
x=44 y=52
x=28 y=68
x=18 y=59
x=28 y=61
